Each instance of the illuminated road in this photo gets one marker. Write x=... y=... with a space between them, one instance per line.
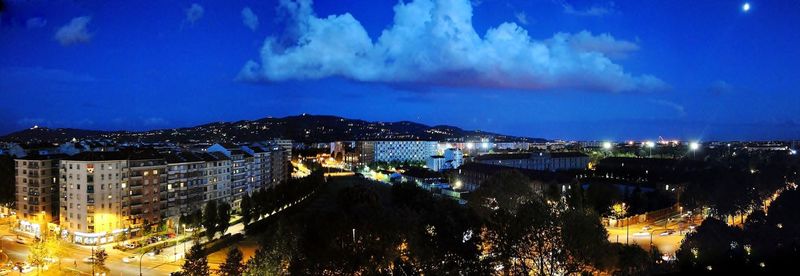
x=664 y=235
x=170 y=259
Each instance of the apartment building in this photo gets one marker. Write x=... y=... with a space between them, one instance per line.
x=95 y=197
x=148 y=189
x=186 y=183
x=36 y=179
x=218 y=175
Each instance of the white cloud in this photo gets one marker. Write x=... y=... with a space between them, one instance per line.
x=433 y=42
x=74 y=32
x=594 y=10
x=35 y=22
x=194 y=13
x=249 y=18
x=521 y=17
x=603 y=43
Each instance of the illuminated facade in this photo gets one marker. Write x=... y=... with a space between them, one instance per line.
x=36 y=178
x=395 y=151
x=106 y=196
x=93 y=189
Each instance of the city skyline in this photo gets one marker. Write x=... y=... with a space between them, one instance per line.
x=613 y=71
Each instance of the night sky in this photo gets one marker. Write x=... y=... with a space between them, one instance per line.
x=707 y=70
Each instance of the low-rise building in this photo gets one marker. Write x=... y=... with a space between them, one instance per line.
x=542 y=161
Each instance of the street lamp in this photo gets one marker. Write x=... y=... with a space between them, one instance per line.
x=694 y=146
x=620 y=210
x=607 y=145
x=140 y=262
x=650 y=145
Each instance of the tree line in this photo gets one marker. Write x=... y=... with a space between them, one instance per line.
x=358 y=227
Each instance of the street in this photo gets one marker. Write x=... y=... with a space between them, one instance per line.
x=666 y=234
x=169 y=260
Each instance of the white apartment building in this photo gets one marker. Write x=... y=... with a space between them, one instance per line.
x=397 y=151
x=93 y=196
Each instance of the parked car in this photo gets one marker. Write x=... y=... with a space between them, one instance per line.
x=23 y=267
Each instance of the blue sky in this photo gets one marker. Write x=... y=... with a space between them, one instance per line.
x=554 y=69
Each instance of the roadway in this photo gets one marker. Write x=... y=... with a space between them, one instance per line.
x=665 y=233
x=169 y=260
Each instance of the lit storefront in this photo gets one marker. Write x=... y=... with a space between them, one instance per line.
x=96 y=238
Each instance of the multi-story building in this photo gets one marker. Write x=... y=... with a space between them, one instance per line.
x=452 y=158
x=95 y=197
x=395 y=151
x=37 y=192
x=260 y=173
x=218 y=176
x=148 y=178
x=186 y=183
x=279 y=165
x=435 y=163
x=240 y=170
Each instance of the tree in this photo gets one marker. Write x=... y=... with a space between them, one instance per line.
x=506 y=191
x=38 y=253
x=223 y=218
x=196 y=263
x=276 y=251
x=714 y=244
x=233 y=263
x=55 y=247
x=585 y=238
x=210 y=219
x=100 y=256
x=247 y=210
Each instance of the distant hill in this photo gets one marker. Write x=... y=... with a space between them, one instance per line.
x=304 y=128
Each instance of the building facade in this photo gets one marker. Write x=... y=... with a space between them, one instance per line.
x=396 y=151
x=36 y=178
x=540 y=161
x=95 y=197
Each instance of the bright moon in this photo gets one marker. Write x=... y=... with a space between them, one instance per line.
x=746 y=7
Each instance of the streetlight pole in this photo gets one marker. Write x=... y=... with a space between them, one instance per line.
x=93 y=260
x=176 y=242
x=140 y=262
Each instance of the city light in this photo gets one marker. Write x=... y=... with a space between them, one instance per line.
x=694 y=146
x=607 y=145
x=485 y=145
x=470 y=145
x=650 y=144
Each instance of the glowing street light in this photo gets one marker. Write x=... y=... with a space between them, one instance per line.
x=607 y=145
x=620 y=210
x=694 y=146
x=650 y=145
x=470 y=145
